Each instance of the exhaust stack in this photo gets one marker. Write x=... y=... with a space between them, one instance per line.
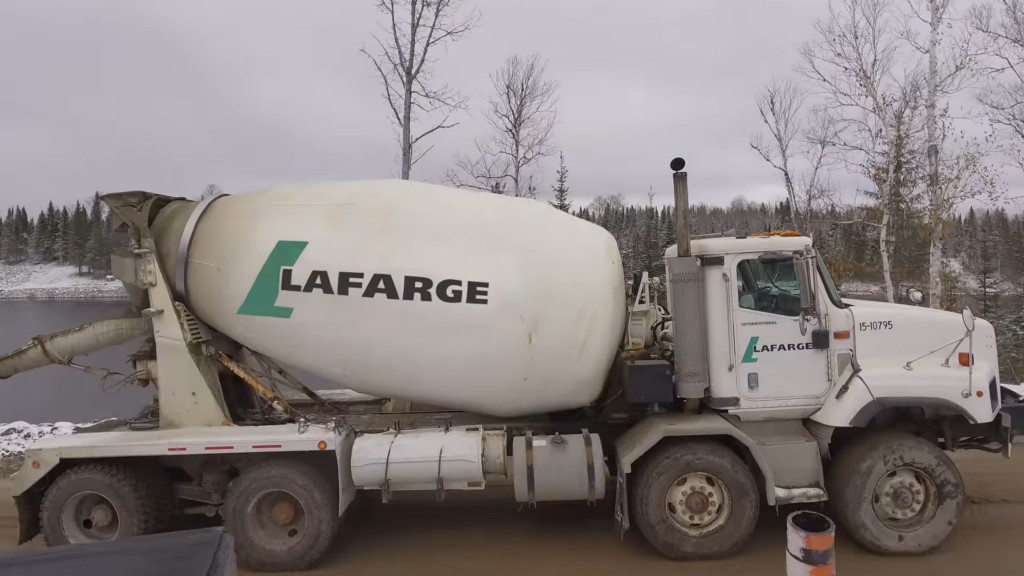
x=686 y=289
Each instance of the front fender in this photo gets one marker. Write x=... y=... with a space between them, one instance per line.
x=935 y=390
x=843 y=403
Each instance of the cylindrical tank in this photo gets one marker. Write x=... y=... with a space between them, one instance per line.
x=467 y=300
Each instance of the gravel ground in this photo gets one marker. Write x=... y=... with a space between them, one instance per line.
x=489 y=532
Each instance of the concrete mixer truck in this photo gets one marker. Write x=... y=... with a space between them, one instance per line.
x=494 y=341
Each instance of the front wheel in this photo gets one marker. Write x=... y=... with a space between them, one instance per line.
x=695 y=500
x=896 y=493
x=283 y=515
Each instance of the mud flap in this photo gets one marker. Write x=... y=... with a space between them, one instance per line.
x=28 y=516
x=1006 y=427
x=621 y=503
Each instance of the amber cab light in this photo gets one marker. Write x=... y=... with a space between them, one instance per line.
x=966 y=359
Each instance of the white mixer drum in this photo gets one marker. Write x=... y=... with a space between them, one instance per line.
x=460 y=299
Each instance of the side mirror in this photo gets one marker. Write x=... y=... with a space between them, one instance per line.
x=805 y=274
x=968 y=319
x=915 y=296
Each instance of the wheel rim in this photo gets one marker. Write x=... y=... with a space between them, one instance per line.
x=276 y=520
x=698 y=504
x=905 y=499
x=89 y=517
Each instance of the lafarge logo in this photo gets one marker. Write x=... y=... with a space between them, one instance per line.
x=277 y=275
x=753 y=348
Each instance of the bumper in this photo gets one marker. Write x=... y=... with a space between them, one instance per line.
x=1011 y=424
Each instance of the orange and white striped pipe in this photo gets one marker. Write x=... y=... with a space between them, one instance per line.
x=810 y=544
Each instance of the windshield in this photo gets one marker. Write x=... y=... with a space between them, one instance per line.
x=769 y=286
x=780 y=276
x=830 y=286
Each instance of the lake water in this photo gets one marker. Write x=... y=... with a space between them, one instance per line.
x=57 y=393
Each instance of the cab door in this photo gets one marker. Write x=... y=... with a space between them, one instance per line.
x=775 y=359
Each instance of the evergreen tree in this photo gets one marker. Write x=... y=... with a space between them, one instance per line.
x=52 y=232
x=561 y=187
x=7 y=245
x=38 y=244
x=96 y=247
x=77 y=237
x=970 y=237
x=210 y=191
x=785 y=216
x=20 y=235
x=987 y=280
x=63 y=245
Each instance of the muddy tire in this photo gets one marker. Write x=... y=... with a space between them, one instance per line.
x=95 y=503
x=162 y=492
x=694 y=499
x=896 y=493
x=283 y=515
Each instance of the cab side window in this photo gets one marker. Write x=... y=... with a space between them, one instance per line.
x=768 y=286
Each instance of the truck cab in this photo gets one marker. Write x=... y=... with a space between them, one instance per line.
x=780 y=338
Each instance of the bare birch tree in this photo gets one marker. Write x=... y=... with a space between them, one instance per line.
x=855 y=67
x=802 y=152
x=414 y=30
x=931 y=28
x=521 y=114
x=1002 y=24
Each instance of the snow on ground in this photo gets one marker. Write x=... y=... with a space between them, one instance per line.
x=853 y=287
x=16 y=435
x=51 y=281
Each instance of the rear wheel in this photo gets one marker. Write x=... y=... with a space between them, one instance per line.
x=283 y=515
x=896 y=493
x=97 y=503
x=695 y=499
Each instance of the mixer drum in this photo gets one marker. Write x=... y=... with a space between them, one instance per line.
x=467 y=300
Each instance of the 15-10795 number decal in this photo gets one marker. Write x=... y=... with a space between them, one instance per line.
x=879 y=325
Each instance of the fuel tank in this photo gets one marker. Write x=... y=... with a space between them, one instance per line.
x=466 y=300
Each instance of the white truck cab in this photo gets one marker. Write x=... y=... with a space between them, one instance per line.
x=769 y=358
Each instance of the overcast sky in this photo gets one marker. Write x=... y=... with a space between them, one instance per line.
x=171 y=96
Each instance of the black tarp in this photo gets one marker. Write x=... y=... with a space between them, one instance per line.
x=205 y=552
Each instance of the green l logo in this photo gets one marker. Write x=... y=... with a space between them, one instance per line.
x=748 y=356
x=262 y=298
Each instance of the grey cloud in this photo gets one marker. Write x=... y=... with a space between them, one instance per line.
x=170 y=96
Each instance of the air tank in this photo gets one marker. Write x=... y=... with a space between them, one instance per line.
x=460 y=299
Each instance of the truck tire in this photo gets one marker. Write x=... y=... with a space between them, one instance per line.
x=162 y=492
x=695 y=499
x=896 y=493
x=283 y=515
x=97 y=502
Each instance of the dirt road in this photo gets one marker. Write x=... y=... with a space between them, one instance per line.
x=469 y=536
